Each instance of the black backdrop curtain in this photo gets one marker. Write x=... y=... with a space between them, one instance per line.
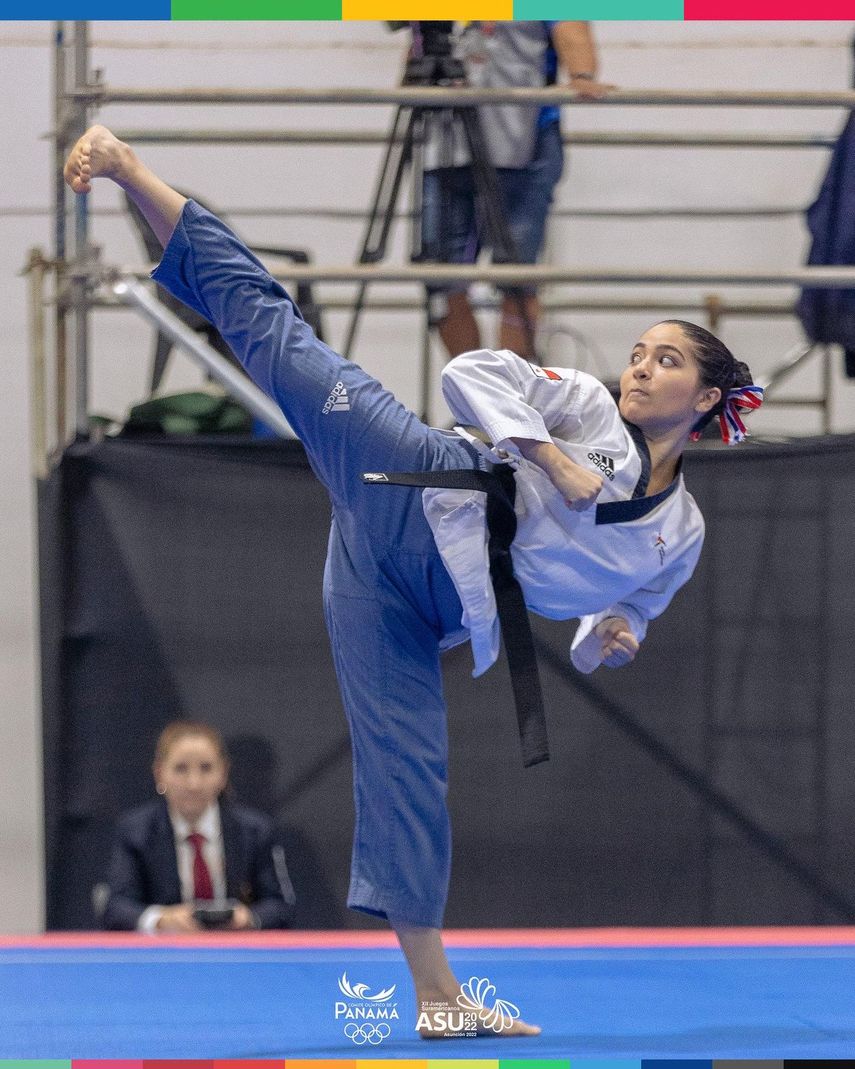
x=708 y=783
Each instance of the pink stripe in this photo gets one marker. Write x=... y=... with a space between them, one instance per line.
x=481 y=937
x=766 y=9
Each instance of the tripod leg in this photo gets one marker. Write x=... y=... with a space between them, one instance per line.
x=421 y=129
x=399 y=148
x=421 y=132
x=489 y=197
x=358 y=305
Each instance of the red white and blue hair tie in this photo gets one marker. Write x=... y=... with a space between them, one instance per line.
x=739 y=399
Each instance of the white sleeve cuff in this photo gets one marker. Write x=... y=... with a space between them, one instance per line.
x=148 y=919
x=586 y=653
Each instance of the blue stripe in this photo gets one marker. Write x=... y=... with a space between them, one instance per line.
x=138 y=10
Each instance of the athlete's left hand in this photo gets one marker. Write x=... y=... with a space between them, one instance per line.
x=619 y=644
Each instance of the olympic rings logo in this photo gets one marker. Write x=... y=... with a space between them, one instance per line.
x=367 y=1033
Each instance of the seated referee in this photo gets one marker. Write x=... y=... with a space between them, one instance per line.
x=191 y=859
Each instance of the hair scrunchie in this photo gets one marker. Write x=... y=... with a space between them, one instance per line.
x=739 y=399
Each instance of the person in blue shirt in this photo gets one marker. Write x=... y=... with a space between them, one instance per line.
x=523 y=142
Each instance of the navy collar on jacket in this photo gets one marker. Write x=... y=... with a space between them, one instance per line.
x=639 y=505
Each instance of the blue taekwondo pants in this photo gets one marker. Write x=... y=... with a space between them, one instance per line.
x=388 y=598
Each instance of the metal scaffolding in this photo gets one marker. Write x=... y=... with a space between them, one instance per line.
x=78 y=275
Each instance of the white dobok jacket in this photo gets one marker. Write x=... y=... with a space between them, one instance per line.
x=567 y=563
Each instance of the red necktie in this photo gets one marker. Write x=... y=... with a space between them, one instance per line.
x=203 y=888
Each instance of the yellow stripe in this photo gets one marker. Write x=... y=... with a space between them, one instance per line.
x=425 y=9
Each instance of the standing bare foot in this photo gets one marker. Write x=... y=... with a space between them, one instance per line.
x=448 y=1009
x=99 y=153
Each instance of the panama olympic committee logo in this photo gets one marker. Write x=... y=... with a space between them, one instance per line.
x=366 y=1016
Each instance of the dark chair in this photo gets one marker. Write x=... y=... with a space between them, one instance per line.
x=163 y=344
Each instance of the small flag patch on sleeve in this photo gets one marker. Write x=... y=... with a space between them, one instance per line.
x=545 y=373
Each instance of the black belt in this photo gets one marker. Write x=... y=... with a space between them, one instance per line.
x=500 y=488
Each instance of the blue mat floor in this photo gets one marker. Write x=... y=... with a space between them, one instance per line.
x=151 y=1002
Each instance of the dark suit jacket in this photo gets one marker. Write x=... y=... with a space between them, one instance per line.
x=144 y=867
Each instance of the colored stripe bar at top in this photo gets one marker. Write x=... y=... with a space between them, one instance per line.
x=335 y=10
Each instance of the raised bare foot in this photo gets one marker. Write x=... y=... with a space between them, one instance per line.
x=97 y=153
x=470 y=1012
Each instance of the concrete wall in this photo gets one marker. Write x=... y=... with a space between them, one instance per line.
x=808 y=56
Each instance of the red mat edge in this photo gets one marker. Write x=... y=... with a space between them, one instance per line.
x=351 y=939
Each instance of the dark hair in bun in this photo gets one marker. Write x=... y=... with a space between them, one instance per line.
x=717 y=364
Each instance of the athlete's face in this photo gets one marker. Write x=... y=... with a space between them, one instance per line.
x=191 y=776
x=660 y=389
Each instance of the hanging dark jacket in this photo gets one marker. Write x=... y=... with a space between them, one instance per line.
x=828 y=315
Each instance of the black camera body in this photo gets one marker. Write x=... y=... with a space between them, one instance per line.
x=431 y=60
x=435 y=37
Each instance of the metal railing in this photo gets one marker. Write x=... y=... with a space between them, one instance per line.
x=826 y=277
x=576 y=138
x=95 y=94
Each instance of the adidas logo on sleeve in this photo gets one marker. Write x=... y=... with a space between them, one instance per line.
x=337 y=400
x=604 y=464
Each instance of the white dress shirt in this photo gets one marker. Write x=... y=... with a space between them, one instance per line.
x=213 y=852
x=567 y=565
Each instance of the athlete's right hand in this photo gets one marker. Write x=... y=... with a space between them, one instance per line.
x=578 y=486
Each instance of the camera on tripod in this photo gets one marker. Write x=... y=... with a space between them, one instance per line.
x=431 y=60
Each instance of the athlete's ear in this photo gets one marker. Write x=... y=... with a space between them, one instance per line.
x=709 y=398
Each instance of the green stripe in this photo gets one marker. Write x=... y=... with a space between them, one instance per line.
x=531 y=1063
x=20 y=1063
x=605 y=1063
x=269 y=10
